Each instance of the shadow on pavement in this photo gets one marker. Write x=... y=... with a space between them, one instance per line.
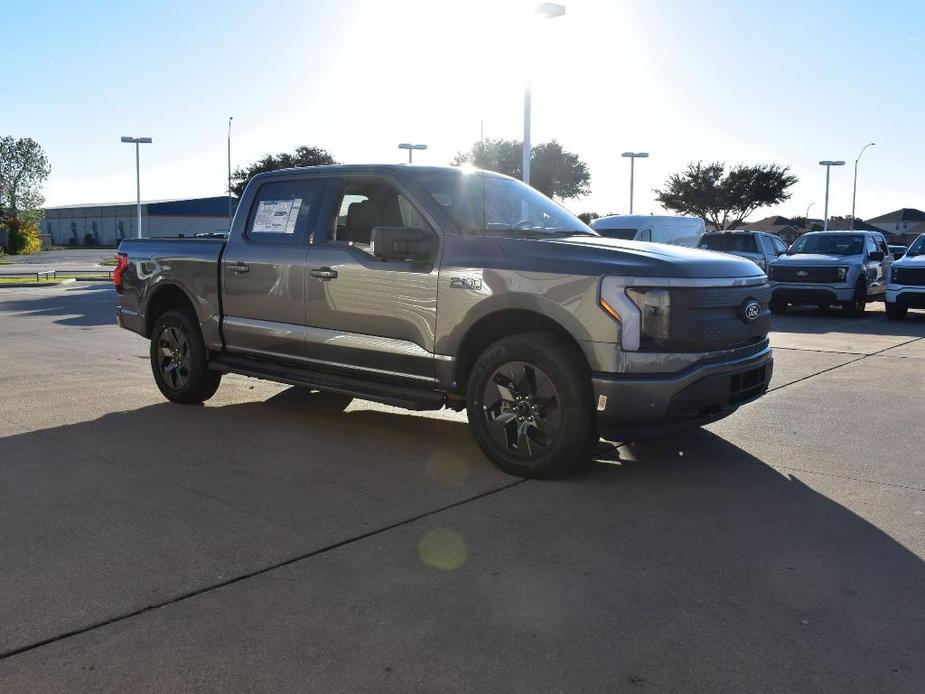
x=690 y=567
x=813 y=321
x=83 y=304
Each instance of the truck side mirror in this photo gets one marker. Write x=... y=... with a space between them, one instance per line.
x=875 y=255
x=404 y=244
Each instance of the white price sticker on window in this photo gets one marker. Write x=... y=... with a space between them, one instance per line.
x=277 y=216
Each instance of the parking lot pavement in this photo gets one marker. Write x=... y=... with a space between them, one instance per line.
x=289 y=546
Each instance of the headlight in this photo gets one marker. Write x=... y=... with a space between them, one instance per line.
x=644 y=313
x=842 y=274
x=655 y=309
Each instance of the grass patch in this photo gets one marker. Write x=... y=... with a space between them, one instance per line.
x=13 y=281
x=109 y=263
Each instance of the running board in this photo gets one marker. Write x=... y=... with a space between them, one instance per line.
x=386 y=393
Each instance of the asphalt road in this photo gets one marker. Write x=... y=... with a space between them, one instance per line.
x=270 y=542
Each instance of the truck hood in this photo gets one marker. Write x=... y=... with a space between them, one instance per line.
x=910 y=261
x=593 y=255
x=816 y=260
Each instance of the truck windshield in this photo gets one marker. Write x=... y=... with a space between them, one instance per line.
x=490 y=204
x=829 y=244
x=729 y=243
x=917 y=248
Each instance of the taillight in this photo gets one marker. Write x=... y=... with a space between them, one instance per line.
x=122 y=266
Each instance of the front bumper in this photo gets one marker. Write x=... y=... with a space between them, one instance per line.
x=700 y=394
x=909 y=296
x=811 y=292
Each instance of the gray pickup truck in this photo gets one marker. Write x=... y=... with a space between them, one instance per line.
x=431 y=287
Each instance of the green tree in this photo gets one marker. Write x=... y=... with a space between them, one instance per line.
x=554 y=171
x=24 y=237
x=302 y=156
x=588 y=217
x=724 y=199
x=23 y=169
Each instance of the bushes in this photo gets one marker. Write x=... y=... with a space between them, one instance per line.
x=24 y=238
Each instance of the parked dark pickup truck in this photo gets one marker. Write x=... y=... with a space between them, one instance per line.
x=427 y=287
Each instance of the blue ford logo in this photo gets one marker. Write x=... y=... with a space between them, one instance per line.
x=751 y=310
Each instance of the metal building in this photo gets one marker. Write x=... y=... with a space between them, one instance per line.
x=107 y=223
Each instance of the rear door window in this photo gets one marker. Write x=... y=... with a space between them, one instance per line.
x=284 y=211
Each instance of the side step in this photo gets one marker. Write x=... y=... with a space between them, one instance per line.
x=389 y=394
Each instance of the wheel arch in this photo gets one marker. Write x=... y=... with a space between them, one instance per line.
x=500 y=324
x=167 y=296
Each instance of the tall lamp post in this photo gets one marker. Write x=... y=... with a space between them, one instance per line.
x=828 y=164
x=410 y=148
x=633 y=156
x=806 y=218
x=854 y=191
x=137 y=141
x=547 y=10
x=230 y=118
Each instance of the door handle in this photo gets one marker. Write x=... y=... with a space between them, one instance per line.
x=241 y=268
x=324 y=273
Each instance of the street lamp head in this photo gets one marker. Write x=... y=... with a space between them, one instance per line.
x=127 y=139
x=137 y=140
x=635 y=155
x=408 y=145
x=548 y=10
x=828 y=162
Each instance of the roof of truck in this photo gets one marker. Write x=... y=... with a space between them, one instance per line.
x=379 y=168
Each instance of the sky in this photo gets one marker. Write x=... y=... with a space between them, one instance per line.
x=751 y=81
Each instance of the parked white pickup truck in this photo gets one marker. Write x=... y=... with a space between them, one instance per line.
x=906 y=286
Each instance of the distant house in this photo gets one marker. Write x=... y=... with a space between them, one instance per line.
x=901 y=224
x=844 y=224
x=788 y=229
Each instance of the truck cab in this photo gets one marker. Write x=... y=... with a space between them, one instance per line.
x=430 y=287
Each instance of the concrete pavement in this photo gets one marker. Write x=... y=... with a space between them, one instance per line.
x=270 y=542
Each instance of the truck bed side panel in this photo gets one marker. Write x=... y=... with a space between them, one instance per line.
x=191 y=265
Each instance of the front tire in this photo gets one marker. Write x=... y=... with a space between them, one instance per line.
x=895 y=311
x=858 y=304
x=530 y=406
x=179 y=360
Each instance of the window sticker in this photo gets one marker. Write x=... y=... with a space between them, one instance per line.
x=277 y=216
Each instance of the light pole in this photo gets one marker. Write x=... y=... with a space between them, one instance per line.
x=854 y=191
x=410 y=148
x=633 y=156
x=137 y=141
x=230 y=118
x=547 y=10
x=806 y=218
x=828 y=164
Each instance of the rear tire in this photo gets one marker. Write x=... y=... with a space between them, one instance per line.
x=179 y=360
x=858 y=304
x=530 y=406
x=778 y=307
x=895 y=311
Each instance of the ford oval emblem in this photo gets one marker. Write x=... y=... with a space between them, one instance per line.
x=751 y=310
x=802 y=273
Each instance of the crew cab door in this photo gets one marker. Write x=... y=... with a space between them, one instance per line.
x=264 y=274
x=367 y=315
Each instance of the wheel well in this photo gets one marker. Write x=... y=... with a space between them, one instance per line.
x=166 y=298
x=495 y=326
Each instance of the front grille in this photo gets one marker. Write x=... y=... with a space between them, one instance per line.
x=911 y=276
x=707 y=319
x=812 y=274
